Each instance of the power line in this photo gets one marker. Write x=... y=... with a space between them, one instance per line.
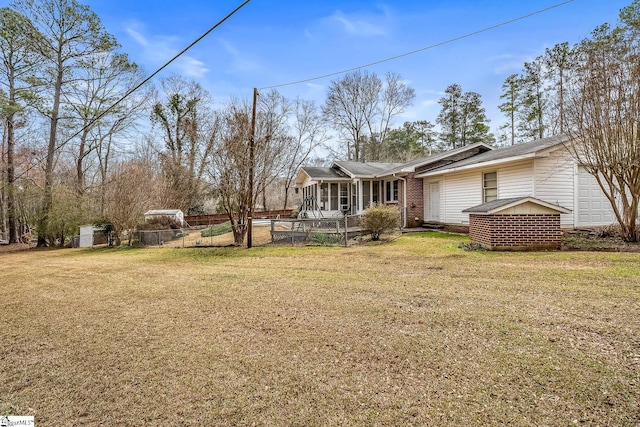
x=126 y=95
x=493 y=27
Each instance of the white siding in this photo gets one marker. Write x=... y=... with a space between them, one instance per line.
x=462 y=190
x=515 y=179
x=554 y=182
x=459 y=191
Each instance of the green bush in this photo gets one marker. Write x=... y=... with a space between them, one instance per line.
x=379 y=219
x=217 y=230
x=325 y=239
x=160 y=223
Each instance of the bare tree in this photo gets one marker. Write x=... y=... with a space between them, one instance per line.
x=603 y=118
x=272 y=140
x=132 y=189
x=188 y=128
x=362 y=108
x=308 y=133
x=101 y=81
x=231 y=164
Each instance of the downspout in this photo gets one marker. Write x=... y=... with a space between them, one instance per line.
x=404 y=200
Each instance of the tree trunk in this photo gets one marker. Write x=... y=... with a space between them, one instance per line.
x=11 y=198
x=51 y=149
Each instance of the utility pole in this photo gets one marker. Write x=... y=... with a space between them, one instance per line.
x=252 y=143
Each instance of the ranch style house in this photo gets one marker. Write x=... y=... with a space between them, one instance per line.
x=439 y=188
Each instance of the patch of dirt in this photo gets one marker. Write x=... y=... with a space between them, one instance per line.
x=14 y=247
x=590 y=240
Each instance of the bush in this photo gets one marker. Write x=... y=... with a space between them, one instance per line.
x=379 y=219
x=160 y=223
x=217 y=230
x=325 y=239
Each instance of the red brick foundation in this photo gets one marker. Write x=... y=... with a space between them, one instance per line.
x=516 y=232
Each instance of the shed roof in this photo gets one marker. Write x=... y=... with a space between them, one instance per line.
x=499 y=205
x=163 y=212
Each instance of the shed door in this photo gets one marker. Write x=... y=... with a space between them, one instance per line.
x=593 y=206
x=434 y=201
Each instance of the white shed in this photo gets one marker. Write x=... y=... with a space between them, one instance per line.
x=86 y=236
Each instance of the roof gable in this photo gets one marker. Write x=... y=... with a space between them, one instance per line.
x=517 y=205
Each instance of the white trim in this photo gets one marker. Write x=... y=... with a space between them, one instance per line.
x=477 y=165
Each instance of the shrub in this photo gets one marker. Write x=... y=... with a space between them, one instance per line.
x=325 y=239
x=379 y=219
x=160 y=223
x=217 y=230
x=612 y=230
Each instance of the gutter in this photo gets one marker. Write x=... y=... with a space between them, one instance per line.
x=439 y=171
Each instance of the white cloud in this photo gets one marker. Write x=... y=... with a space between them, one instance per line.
x=137 y=36
x=359 y=26
x=429 y=103
x=509 y=63
x=158 y=49
x=240 y=62
x=192 y=67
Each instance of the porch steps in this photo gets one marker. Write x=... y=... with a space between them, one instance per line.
x=433 y=225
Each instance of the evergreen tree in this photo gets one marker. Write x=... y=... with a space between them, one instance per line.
x=462 y=119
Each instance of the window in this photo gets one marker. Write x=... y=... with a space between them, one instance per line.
x=324 y=196
x=391 y=193
x=334 y=197
x=376 y=191
x=366 y=194
x=489 y=186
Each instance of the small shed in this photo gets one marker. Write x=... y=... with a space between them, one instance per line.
x=516 y=224
x=86 y=236
x=174 y=214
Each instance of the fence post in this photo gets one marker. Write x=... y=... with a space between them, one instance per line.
x=346 y=229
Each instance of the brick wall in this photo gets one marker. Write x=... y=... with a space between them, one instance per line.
x=415 y=201
x=516 y=232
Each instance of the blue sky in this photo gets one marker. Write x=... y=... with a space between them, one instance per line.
x=279 y=41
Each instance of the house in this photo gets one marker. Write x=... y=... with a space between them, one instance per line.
x=543 y=169
x=350 y=187
x=174 y=214
x=438 y=188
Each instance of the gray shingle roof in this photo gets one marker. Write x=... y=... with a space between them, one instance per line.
x=495 y=205
x=411 y=166
x=316 y=173
x=506 y=152
x=366 y=170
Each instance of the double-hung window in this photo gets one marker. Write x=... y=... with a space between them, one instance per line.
x=391 y=191
x=489 y=186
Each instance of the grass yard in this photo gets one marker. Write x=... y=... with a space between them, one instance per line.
x=415 y=332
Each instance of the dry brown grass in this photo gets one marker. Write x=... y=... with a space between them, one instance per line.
x=416 y=332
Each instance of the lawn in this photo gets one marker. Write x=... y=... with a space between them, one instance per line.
x=414 y=332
